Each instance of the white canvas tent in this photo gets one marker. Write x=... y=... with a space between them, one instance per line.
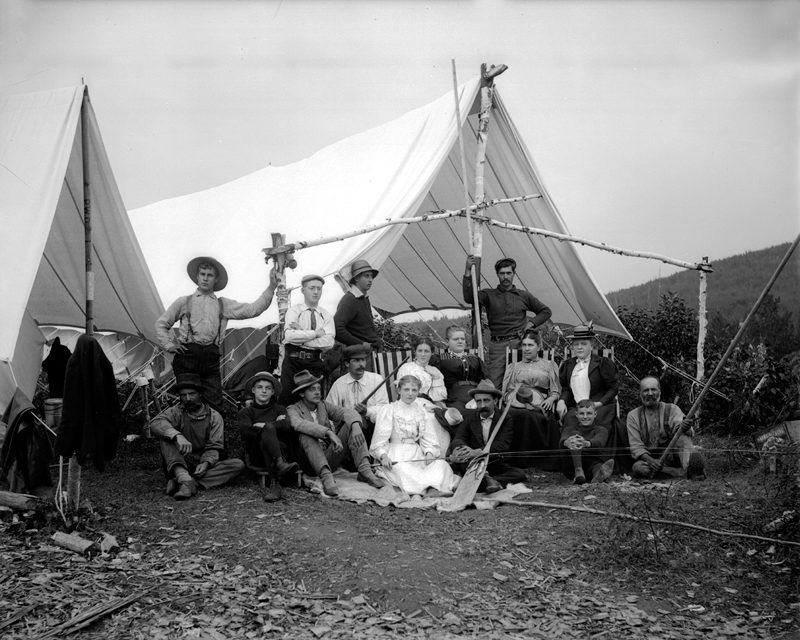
x=42 y=243
x=401 y=169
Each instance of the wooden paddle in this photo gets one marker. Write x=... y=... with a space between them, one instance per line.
x=468 y=487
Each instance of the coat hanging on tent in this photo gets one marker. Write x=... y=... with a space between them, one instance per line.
x=26 y=453
x=91 y=417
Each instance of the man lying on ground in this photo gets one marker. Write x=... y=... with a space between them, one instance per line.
x=651 y=428
x=191 y=435
x=473 y=434
x=583 y=455
x=327 y=433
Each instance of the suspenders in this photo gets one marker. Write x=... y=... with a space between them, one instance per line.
x=188 y=316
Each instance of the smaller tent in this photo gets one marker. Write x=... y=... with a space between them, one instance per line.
x=42 y=255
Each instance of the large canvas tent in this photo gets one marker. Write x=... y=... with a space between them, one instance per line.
x=405 y=168
x=42 y=243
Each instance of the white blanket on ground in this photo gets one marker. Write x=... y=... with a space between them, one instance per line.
x=351 y=490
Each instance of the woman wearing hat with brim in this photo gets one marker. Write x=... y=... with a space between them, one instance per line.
x=532 y=410
x=202 y=318
x=353 y=317
x=587 y=375
x=266 y=432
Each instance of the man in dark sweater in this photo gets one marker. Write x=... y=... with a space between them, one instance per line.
x=583 y=453
x=353 y=318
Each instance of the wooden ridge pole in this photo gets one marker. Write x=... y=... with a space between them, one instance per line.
x=477 y=328
x=731 y=347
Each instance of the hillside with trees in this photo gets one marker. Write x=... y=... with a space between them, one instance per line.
x=732 y=289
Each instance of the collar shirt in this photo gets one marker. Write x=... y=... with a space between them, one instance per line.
x=358 y=293
x=507 y=310
x=206 y=328
x=579 y=382
x=486 y=427
x=303 y=317
x=347 y=392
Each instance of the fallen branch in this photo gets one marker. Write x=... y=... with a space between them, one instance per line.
x=93 y=615
x=625 y=516
x=75 y=543
x=20 y=501
x=19 y=614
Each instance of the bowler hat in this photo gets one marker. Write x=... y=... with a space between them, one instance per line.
x=310 y=277
x=485 y=386
x=188 y=381
x=264 y=375
x=222 y=274
x=359 y=267
x=304 y=379
x=355 y=351
x=582 y=332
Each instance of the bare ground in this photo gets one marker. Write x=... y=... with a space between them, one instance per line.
x=226 y=564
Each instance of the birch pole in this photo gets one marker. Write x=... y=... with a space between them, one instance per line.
x=702 y=323
x=282 y=293
x=474 y=275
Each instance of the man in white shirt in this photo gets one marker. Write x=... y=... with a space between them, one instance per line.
x=351 y=389
x=309 y=332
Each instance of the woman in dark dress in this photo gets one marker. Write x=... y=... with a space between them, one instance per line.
x=460 y=370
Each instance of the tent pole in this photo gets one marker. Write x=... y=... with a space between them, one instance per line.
x=487 y=91
x=702 y=323
x=282 y=260
x=475 y=275
x=74 y=473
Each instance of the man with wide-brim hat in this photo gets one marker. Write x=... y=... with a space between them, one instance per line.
x=353 y=317
x=351 y=389
x=587 y=376
x=509 y=312
x=191 y=439
x=327 y=433
x=473 y=434
x=309 y=333
x=202 y=318
x=268 y=437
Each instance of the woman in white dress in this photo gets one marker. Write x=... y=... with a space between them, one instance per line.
x=432 y=391
x=407 y=447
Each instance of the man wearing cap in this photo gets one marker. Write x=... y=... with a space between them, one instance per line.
x=327 y=432
x=310 y=331
x=651 y=428
x=191 y=435
x=353 y=317
x=507 y=311
x=266 y=432
x=350 y=390
x=202 y=318
x=587 y=376
x=473 y=434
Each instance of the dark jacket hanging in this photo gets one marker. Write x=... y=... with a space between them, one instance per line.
x=26 y=454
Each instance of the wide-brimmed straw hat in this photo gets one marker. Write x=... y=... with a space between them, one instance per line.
x=359 y=267
x=304 y=379
x=222 y=274
x=264 y=375
x=485 y=386
x=582 y=332
x=527 y=396
x=188 y=381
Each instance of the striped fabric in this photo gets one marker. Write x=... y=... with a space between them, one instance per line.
x=387 y=361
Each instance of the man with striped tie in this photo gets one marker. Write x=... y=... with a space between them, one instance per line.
x=309 y=331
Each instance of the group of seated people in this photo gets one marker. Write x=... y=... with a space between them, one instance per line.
x=448 y=408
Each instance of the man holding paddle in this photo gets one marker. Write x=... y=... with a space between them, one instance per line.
x=473 y=434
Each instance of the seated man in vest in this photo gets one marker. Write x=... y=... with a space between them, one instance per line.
x=473 y=434
x=651 y=427
x=350 y=390
x=327 y=432
x=202 y=318
x=191 y=435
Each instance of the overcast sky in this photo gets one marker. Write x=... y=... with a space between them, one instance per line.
x=669 y=127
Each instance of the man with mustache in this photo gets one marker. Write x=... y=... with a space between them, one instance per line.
x=350 y=390
x=507 y=310
x=473 y=434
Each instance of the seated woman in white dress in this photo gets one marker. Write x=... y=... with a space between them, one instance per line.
x=432 y=392
x=407 y=447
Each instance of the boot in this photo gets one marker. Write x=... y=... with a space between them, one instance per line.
x=492 y=485
x=273 y=493
x=186 y=490
x=172 y=487
x=328 y=483
x=286 y=467
x=580 y=476
x=365 y=475
x=697 y=467
x=604 y=473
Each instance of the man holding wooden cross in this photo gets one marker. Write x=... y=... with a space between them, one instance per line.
x=507 y=312
x=473 y=434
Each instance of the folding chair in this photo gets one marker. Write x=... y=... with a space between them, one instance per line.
x=387 y=361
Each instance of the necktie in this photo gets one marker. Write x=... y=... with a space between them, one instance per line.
x=356 y=388
x=313 y=320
